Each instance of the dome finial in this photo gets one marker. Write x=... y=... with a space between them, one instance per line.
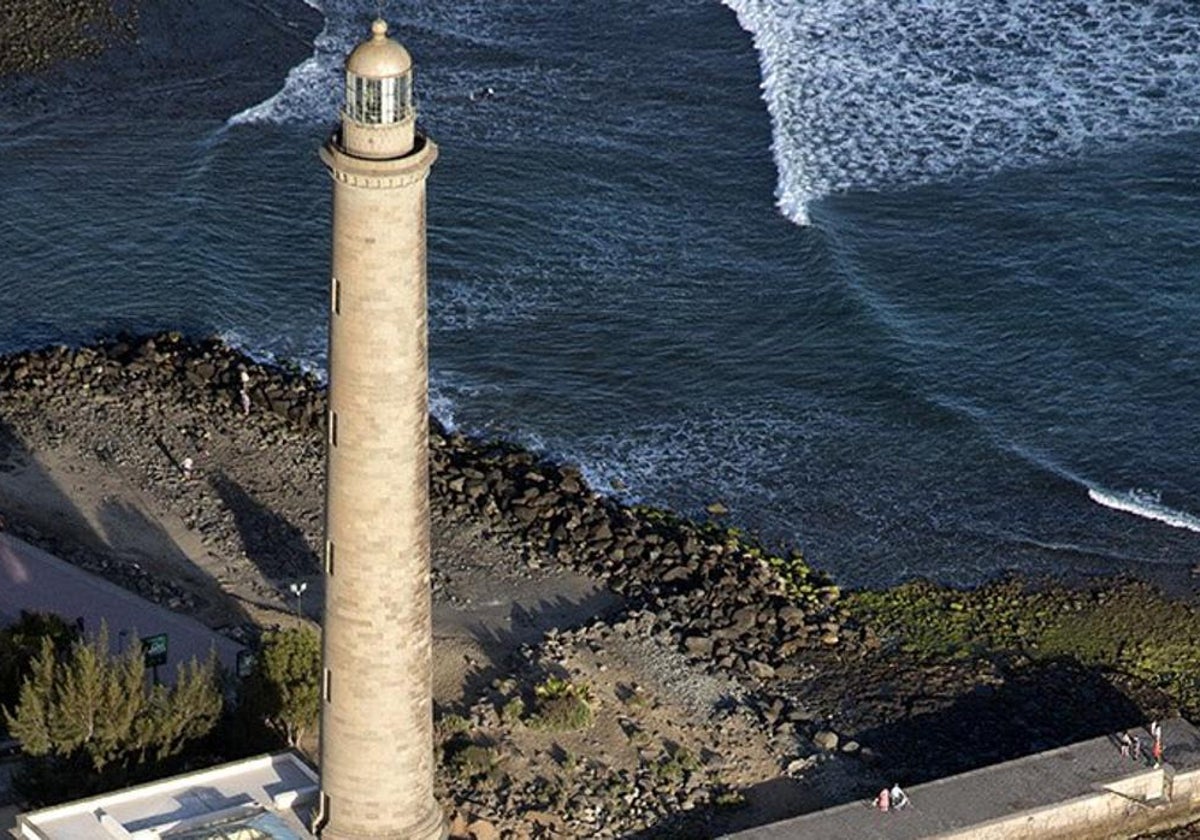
x=379 y=29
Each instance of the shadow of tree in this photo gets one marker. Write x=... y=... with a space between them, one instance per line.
x=116 y=540
x=34 y=507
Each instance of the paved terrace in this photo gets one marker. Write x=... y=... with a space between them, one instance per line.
x=1000 y=790
x=31 y=579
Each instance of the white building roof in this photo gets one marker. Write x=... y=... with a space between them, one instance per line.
x=264 y=798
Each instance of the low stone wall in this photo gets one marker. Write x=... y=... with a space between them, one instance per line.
x=1150 y=801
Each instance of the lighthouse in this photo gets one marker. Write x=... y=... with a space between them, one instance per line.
x=377 y=706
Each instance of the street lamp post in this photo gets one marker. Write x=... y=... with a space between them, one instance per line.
x=298 y=591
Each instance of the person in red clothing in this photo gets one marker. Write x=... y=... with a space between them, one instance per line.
x=883 y=800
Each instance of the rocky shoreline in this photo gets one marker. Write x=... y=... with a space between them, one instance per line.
x=39 y=34
x=843 y=692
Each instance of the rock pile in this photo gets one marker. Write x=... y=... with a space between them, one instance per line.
x=719 y=603
x=727 y=602
x=37 y=34
x=207 y=375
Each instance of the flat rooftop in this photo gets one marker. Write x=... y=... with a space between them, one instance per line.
x=1001 y=790
x=264 y=798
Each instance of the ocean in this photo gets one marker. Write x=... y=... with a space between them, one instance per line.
x=909 y=285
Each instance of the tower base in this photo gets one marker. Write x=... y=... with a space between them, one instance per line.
x=431 y=827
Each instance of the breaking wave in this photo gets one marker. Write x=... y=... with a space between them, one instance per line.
x=312 y=90
x=1145 y=504
x=875 y=93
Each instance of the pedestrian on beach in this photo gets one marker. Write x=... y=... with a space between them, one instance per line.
x=1158 y=752
x=1126 y=744
x=898 y=796
x=244 y=393
x=883 y=800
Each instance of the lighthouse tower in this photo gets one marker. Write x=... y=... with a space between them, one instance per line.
x=377 y=706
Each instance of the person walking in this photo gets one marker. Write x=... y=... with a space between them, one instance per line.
x=883 y=800
x=1126 y=744
x=898 y=797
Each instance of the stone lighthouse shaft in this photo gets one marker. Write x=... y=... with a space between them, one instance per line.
x=376 y=707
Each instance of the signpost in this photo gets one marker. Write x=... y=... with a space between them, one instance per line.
x=245 y=663
x=154 y=652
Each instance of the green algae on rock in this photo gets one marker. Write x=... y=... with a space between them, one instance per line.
x=1124 y=626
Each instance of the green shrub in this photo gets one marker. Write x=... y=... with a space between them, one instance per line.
x=561 y=706
x=675 y=766
x=512 y=711
x=474 y=763
x=454 y=724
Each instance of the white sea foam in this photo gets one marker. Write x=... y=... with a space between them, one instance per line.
x=1145 y=504
x=872 y=93
x=473 y=302
x=312 y=90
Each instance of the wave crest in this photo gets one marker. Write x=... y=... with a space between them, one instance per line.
x=873 y=93
x=1145 y=504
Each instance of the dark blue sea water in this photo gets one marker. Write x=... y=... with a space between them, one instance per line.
x=910 y=285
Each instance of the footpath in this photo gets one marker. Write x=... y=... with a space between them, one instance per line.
x=35 y=581
x=1040 y=781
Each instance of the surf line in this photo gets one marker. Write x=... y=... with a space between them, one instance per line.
x=1145 y=505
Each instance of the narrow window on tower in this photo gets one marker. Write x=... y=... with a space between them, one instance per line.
x=332 y=427
x=335 y=296
x=327 y=685
x=358 y=114
x=372 y=101
x=404 y=95
x=329 y=557
x=388 y=114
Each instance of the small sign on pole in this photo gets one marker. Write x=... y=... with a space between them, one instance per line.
x=154 y=652
x=245 y=663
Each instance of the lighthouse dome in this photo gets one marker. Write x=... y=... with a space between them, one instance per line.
x=379 y=57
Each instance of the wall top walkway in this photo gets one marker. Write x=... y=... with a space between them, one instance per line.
x=31 y=579
x=1000 y=790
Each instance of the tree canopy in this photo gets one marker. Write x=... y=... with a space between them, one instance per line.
x=89 y=706
x=284 y=688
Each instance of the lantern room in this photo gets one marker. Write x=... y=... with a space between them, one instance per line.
x=378 y=116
